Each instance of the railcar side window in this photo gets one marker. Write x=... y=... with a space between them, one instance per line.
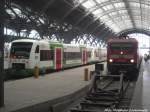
x=72 y=55
x=37 y=49
x=89 y=54
x=46 y=55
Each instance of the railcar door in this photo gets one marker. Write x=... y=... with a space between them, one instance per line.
x=58 y=58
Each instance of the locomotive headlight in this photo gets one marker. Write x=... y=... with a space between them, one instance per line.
x=132 y=60
x=111 y=60
x=121 y=52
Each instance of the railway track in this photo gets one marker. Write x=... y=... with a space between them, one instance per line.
x=105 y=94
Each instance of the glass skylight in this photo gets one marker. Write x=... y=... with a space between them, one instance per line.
x=118 y=5
x=135 y=4
x=108 y=7
x=129 y=14
x=98 y=11
x=101 y=1
x=89 y=4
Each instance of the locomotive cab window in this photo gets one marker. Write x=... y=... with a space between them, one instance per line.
x=123 y=46
x=128 y=48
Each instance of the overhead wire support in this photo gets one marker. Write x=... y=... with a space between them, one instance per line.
x=141 y=14
x=72 y=9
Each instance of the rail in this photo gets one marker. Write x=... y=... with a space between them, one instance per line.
x=101 y=97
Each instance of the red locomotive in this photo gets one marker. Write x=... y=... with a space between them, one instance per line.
x=122 y=55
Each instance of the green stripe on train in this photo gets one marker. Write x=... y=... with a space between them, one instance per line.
x=52 y=46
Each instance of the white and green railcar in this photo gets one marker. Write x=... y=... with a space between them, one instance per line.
x=27 y=54
x=73 y=55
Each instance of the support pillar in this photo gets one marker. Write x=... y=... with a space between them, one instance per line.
x=2 y=12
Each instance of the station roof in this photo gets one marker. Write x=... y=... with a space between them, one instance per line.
x=119 y=15
x=103 y=18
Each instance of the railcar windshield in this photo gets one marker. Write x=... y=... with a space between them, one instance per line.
x=21 y=49
x=122 y=46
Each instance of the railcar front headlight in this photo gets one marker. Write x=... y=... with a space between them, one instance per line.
x=132 y=60
x=121 y=52
x=110 y=60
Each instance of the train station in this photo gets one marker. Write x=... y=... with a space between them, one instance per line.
x=74 y=56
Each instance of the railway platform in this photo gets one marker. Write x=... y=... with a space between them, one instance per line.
x=47 y=92
x=141 y=97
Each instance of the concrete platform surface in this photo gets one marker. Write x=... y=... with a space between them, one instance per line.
x=146 y=86
x=30 y=91
x=141 y=98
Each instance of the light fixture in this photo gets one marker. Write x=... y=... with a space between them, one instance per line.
x=110 y=60
x=132 y=60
